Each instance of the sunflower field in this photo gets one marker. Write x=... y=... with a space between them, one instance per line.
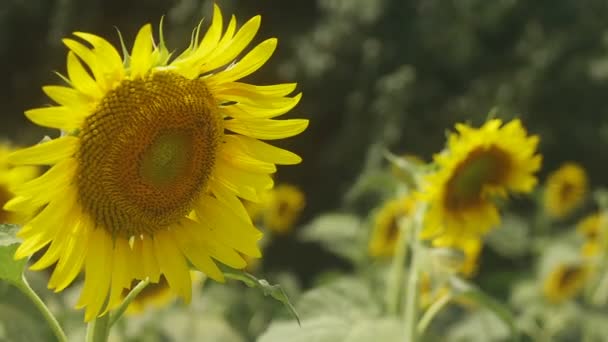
x=306 y=171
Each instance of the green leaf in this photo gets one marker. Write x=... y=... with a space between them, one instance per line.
x=328 y=328
x=342 y=234
x=512 y=238
x=500 y=311
x=8 y=234
x=11 y=270
x=343 y=297
x=275 y=291
x=479 y=326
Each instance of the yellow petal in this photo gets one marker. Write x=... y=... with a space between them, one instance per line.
x=91 y=59
x=80 y=78
x=46 y=153
x=229 y=199
x=69 y=97
x=229 y=49
x=248 y=108
x=267 y=129
x=111 y=62
x=245 y=89
x=227 y=227
x=247 y=65
x=172 y=264
x=63 y=118
x=212 y=37
x=150 y=263
x=71 y=260
x=263 y=151
x=141 y=55
x=98 y=273
x=260 y=182
x=232 y=155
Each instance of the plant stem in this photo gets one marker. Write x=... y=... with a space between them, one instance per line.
x=115 y=316
x=27 y=290
x=432 y=311
x=411 y=295
x=396 y=274
x=98 y=330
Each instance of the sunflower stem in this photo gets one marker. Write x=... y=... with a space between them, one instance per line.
x=396 y=274
x=411 y=294
x=98 y=330
x=27 y=290
x=115 y=316
x=432 y=311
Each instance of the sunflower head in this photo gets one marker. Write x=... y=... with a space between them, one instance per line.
x=386 y=229
x=565 y=190
x=565 y=281
x=157 y=153
x=591 y=228
x=477 y=165
x=281 y=208
x=11 y=177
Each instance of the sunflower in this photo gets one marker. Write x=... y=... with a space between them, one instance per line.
x=478 y=165
x=591 y=229
x=565 y=281
x=386 y=228
x=10 y=178
x=155 y=153
x=282 y=207
x=565 y=190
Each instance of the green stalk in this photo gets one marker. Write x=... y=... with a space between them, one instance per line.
x=98 y=330
x=115 y=316
x=432 y=311
x=396 y=275
x=413 y=288
x=27 y=290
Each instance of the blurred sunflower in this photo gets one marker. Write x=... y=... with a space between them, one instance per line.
x=565 y=190
x=590 y=228
x=281 y=208
x=477 y=165
x=386 y=228
x=565 y=281
x=155 y=154
x=12 y=177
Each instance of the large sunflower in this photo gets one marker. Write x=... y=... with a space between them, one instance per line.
x=155 y=154
x=478 y=165
x=10 y=178
x=565 y=190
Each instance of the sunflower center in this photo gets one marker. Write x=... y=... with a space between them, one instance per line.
x=5 y=196
x=484 y=166
x=392 y=231
x=147 y=153
x=567 y=191
x=569 y=276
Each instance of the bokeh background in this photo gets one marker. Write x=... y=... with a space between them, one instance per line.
x=378 y=74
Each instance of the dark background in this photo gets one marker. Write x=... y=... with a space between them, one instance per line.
x=383 y=73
